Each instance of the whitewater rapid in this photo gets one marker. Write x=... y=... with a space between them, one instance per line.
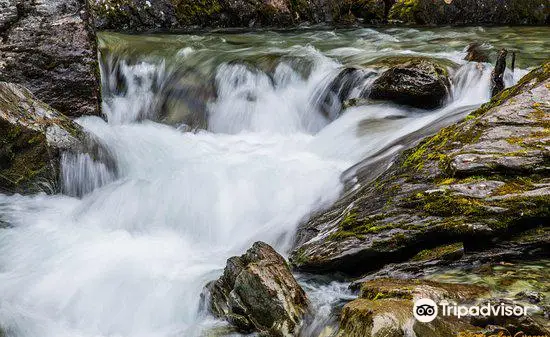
x=130 y=257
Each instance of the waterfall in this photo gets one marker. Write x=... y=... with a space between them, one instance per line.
x=211 y=155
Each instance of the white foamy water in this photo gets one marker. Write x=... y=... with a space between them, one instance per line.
x=131 y=256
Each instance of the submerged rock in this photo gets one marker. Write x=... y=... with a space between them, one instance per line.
x=32 y=138
x=510 y=12
x=481 y=182
x=417 y=83
x=257 y=292
x=50 y=48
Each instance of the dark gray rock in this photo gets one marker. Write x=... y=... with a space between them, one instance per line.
x=257 y=292
x=418 y=83
x=49 y=47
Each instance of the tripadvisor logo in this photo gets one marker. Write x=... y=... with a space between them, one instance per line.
x=426 y=310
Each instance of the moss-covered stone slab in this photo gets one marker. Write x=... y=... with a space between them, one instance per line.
x=478 y=182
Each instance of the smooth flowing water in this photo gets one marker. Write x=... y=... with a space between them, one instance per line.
x=217 y=140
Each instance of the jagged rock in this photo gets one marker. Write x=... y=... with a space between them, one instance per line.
x=480 y=182
x=418 y=83
x=49 y=47
x=32 y=138
x=457 y=12
x=257 y=292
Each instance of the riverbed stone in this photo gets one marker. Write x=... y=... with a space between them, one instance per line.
x=257 y=293
x=418 y=83
x=461 y=185
x=32 y=138
x=50 y=48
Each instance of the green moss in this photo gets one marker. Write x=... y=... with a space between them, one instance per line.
x=438 y=252
x=435 y=148
x=515 y=186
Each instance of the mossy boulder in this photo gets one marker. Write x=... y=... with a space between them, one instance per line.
x=510 y=12
x=49 y=47
x=418 y=83
x=32 y=139
x=257 y=293
x=480 y=182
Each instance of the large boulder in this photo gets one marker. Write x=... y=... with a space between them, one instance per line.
x=418 y=83
x=32 y=139
x=49 y=47
x=503 y=12
x=257 y=292
x=480 y=182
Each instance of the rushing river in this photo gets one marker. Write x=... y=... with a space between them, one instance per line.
x=127 y=249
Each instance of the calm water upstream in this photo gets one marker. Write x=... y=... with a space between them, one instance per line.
x=219 y=140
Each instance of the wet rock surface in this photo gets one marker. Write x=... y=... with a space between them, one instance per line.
x=257 y=293
x=481 y=182
x=50 y=48
x=417 y=83
x=32 y=138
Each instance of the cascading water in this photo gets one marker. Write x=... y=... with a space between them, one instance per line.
x=130 y=253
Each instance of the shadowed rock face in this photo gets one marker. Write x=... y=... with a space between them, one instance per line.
x=420 y=84
x=481 y=182
x=48 y=47
x=32 y=138
x=257 y=292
